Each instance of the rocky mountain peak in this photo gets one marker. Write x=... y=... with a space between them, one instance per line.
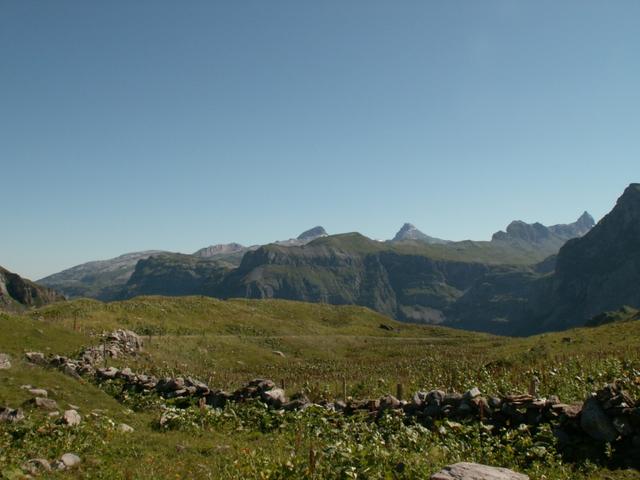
x=312 y=234
x=220 y=249
x=585 y=221
x=409 y=231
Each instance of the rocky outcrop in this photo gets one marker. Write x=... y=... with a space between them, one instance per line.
x=17 y=293
x=598 y=272
x=175 y=274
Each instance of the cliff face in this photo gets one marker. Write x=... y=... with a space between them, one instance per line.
x=17 y=292
x=598 y=272
x=355 y=270
x=174 y=274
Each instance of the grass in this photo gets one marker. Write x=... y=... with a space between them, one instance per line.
x=229 y=342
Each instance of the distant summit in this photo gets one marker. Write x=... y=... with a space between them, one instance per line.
x=220 y=249
x=536 y=233
x=312 y=234
x=410 y=232
x=304 y=238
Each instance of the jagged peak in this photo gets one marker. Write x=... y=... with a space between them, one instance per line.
x=312 y=234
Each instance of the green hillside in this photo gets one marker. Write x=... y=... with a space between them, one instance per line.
x=312 y=348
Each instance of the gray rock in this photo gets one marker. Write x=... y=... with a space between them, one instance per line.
x=471 y=394
x=476 y=471
x=274 y=397
x=124 y=428
x=38 y=392
x=36 y=466
x=11 y=415
x=596 y=423
x=44 y=403
x=389 y=402
x=36 y=358
x=5 y=361
x=107 y=373
x=70 y=460
x=71 y=418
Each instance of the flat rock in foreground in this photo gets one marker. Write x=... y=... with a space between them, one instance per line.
x=476 y=471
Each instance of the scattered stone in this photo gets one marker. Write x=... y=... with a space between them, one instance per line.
x=70 y=460
x=36 y=358
x=44 y=403
x=389 y=402
x=476 y=471
x=471 y=394
x=595 y=423
x=36 y=466
x=38 y=392
x=11 y=415
x=124 y=428
x=274 y=397
x=107 y=373
x=5 y=361
x=71 y=418
x=54 y=414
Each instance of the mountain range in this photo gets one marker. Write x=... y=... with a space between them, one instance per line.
x=526 y=279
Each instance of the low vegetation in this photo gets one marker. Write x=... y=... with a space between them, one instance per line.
x=313 y=349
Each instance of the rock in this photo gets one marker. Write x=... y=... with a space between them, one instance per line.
x=36 y=358
x=44 y=403
x=71 y=418
x=71 y=369
x=389 y=402
x=5 y=361
x=11 y=415
x=107 y=373
x=278 y=353
x=476 y=471
x=274 y=397
x=471 y=394
x=70 y=460
x=36 y=466
x=596 y=423
x=38 y=392
x=124 y=428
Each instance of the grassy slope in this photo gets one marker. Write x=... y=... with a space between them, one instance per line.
x=228 y=342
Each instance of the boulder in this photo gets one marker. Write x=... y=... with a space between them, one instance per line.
x=476 y=471
x=71 y=418
x=274 y=397
x=70 y=460
x=36 y=466
x=38 y=392
x=389 y=402
x=471 y=394
x=36 y=358
x=596 y=423
x=107 y=373
x=11 y=415
x=5 y=361
x=124 y=428
x=44 y=403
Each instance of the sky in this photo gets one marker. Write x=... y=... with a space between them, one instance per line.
x=156 y=124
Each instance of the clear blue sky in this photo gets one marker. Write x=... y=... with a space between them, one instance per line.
x=131 y=125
